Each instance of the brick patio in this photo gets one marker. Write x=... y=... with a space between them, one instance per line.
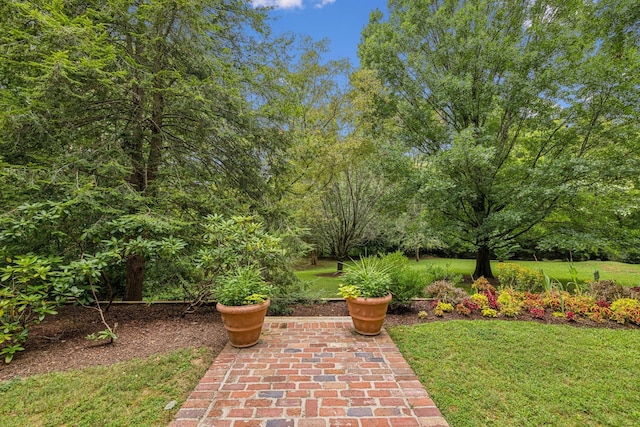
x=310 y=372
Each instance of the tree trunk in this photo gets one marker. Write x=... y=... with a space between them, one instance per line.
x=314 y=257
x=417 y=253
x=134 y=277
x=155 y=142
x=483 y=263
x=340 y=266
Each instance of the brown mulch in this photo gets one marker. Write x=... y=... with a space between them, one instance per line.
x=59 y=343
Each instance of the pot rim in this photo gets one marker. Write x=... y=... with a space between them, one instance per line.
x=242 y=308
x=372 y=300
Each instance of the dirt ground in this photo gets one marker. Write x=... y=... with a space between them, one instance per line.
x=59 y=343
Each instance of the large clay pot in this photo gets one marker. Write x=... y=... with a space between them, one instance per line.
x=368 y=314
x=243 y=323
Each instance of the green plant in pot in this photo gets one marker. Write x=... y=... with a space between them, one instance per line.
x=243 y=300
x=366 y=290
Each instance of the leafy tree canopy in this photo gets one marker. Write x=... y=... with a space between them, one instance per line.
x=517 y=106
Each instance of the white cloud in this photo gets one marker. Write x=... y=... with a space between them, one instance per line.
x=323 y=3
x=291 y=4
x=278 y=4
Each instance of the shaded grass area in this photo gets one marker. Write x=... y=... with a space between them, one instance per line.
x=321 y=283
x=320 y=280
x=129 y=393
x=499 y=373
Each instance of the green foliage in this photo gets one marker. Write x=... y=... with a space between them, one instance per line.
x=242 y=286
x=103 y=335
x=349 y=291
x=445 y=291
x=489 y=312
x=520 y=278
x=165 y=128
x=25 y=292
x=512 y=125
x=237 y=250
x=406 y=283
x=350 y=208
x=370 y=277
x=441 y=308
x=626 y=309
x=510 y=303
x=481 y=300
x=436 y=272
x=32 y=285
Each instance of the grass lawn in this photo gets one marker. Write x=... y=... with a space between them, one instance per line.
x=510 y=373
x=626 y=274
x=316 y=278
x=131 y=393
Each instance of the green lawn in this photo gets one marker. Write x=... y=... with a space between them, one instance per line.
x=319 y=285
x=626 y=274
x=499 y=373
x=133 y=393
x=479 y=373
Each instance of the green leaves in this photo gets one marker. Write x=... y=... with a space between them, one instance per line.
x=242 y=286
x=368 y=278
x=511 y=104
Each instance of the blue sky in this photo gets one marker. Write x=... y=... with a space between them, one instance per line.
x=340 y=21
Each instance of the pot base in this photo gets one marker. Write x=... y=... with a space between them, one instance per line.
x=368 y=314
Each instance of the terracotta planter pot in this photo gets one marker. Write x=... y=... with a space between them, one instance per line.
x=368 y=314
x=243 y=323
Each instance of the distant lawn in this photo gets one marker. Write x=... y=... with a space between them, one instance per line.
x=318 y=280
x=132 y=393
x=499 y=373
x=626 y=274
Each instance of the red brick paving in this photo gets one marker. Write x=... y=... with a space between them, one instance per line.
x=310 y=372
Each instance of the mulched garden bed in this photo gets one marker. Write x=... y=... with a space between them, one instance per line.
x=59 y=343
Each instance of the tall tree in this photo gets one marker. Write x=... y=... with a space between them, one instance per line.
x=516 y=104
x=159 y=91
x=350 y=211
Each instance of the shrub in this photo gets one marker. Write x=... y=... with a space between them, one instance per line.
x=595 y=314
x=608 y=290
x=368 y=278
x=435 y=273
x=554 y=300
x=579 y=304
x=237 y=242
x=441 y=308
x=492 y=300
x=481 y=285
x=468 y=303
x=509 y=304
x=489 y=312
x=445 y=291
x=244 y=286
x=537 y=312
x=625 y=309
x=406 y=283
x=463 y=309
x=480 y=300
x=520 y=278
x=532 y=300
